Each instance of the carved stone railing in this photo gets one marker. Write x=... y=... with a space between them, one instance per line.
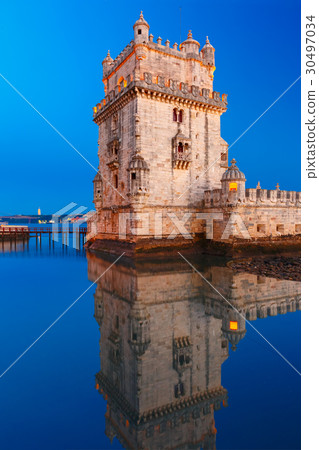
x=258 y=197
x=181 y=160
x=113 y=162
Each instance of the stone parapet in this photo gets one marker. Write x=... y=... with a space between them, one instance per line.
x=257 y=197
x=174 y=51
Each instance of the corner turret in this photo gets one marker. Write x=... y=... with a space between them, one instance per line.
x=208 y=53
x=233 y=327
x=107 y=64
x=98 y=189
x=233 y=185
x=190 y=45
x=141 y=29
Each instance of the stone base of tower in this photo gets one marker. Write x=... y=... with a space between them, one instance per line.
x=233 y=248
x=228 y=230
x=147 y=246
x=237 y=248
x=223 y=231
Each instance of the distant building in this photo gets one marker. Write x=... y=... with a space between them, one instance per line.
x=39 y=212
x=161 y=152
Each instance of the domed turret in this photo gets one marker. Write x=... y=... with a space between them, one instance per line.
x=98 y=187
x=233 y=185
x=190 y=45
x=139 y=170
x=208 y=53
x=107 y=64
x=140 y=329
x=233 y=327
x=138 y=163
x=141 y=29
x=233 y=173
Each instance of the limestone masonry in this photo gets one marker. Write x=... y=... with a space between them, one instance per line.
x=163 y=166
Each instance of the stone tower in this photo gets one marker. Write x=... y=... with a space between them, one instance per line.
x=159 y=131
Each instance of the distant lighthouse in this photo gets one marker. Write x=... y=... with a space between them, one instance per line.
x=39 y=211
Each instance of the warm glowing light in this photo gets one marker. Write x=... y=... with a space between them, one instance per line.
x=233 y=186
x=233 y=325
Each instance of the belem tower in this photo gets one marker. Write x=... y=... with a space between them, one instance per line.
x=163 y=165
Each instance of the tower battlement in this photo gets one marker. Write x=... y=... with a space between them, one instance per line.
x=151 y=85
x=185 y=64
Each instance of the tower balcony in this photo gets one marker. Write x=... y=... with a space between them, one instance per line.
x=113 y=162
x=181 y=160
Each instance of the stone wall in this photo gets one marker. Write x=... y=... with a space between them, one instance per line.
x=260 y=221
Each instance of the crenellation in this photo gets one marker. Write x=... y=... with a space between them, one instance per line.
x=204 y=96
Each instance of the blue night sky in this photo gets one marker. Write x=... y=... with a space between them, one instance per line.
x=51 y=51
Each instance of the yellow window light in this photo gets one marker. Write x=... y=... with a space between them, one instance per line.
x=233 y=186
x=233 y=325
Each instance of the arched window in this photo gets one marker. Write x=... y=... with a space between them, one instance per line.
x=180 y=116
x=175 y=115
x=180 y=147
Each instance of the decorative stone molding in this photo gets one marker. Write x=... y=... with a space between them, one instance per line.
x=139 y=172
x=181 y=157
x=214 y=396
x=172 y=91
x=98 y=191
x=182 y=353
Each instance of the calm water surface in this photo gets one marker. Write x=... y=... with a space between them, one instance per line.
x=149 y=357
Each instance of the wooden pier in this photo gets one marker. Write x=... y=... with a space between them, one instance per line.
x=12 y=233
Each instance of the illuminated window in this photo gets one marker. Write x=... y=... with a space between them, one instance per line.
x=233 y=325
x=233 y=186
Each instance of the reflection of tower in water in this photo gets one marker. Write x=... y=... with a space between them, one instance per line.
x=164 y=337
